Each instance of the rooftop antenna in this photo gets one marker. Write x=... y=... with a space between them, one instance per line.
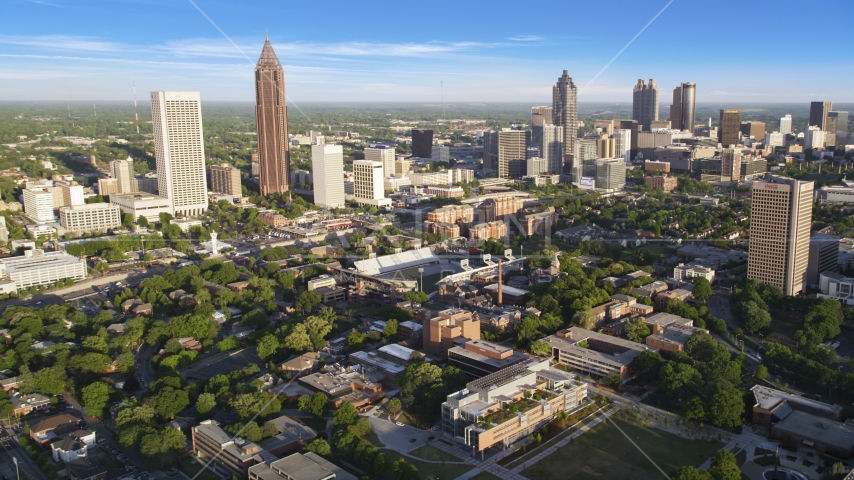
x=135 y=109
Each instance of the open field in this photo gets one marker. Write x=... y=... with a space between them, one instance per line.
x=429 y=452
x=204 y=370
x=604 y=452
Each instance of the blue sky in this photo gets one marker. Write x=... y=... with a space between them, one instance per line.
x=496 y=51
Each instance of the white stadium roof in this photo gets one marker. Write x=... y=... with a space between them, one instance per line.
x=398 y=261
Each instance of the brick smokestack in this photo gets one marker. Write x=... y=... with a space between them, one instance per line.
x=499 y=283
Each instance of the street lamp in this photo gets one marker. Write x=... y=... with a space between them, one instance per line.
x=421 y=284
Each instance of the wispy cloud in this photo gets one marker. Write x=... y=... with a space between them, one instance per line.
x=525 y=38
x=69 y=43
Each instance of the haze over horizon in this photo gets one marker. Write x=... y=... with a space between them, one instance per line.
x=58 y=50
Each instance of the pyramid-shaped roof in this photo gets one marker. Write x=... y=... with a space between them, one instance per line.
x=268 y=56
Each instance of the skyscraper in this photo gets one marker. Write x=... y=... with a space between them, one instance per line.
x=383 y=154
x=839 y=120
x=730 y=125
x=327 y=165
x=122 y=171
x=512 y=153
x=689 y=106
x=180 y=150
x=553 y=148
x=490 y=151
x=565 y=111
x=676 y=109
x=422 y=143
x=623 y=144
x=818 y=114
x=645 y=103
x=786 y=124
x=540 y=117
x=271 y=121
x=780 y=216
x=730 y=164
x=368 y=180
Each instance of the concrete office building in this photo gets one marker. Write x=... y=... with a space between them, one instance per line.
x=585 y=149
x=479 y=358
x=786 y=124
x=775 y=139
x=38 y=205
x=814 y=138
x=37 y=267
x=226 y=179
x=837 y=130
x=623 y=144
x=753 y=168
x=92 y=217
x=67 y=195
x=401 y=167
x=594 y=353
x=753 y=129
x=475 y=418
x=441 y=331
x=327 y=164
x=107 y=186
x=271 y=120
x=422 y=143
x=368 y=186
x=541 y=117
x=565 y=111
x=649 y=141
x=180 y=150
x=823 y=257
x=146 y=183
x=605 y=147
x=299 y=466
x=512 y=152
x=610 y=174
x=490 y=151
x=142 y=204
x=441 y=153
x=730 y=120
x=535 y=166
x=818 y=114
x=383 y=154
x=645 y=103
x=780 y=218
x=730 y=164
x=683 y=110
x=122 y=171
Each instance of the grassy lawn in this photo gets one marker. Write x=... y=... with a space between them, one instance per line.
x=437 y=471
x=191 y=467
x=485 y=476
x=429 y=452
x=374 y=439
x=605 y=452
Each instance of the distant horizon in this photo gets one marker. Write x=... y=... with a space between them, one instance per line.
x=398 y=52
x=402 y=102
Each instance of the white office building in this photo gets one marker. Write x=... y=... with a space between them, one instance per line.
x=327 y=165
x=536 y=166
x=146 y=204
x=553 y=147
x=38 y=205
x=786 y=125
x=775 y=139
x=122 y=171
x=92 y=217
x=37 y=267
x=441 y=153
x=383 y=154
x=368 y=187
x=179 y=147
x=814 y=137
x=687 y=272
x=623 y=144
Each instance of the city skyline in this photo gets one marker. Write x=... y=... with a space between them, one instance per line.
x=479 y=55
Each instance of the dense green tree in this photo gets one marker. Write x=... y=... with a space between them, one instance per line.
x=95 y=397
x=702 y=289
x=724 y=466
x=637 y=330
x=678 y=378
x=345 y=415
x=268 y=346
x=318 y=446
x=205 y=403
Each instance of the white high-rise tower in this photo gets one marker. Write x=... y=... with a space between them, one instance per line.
x=180 y=150
x=122 y=171
x=786 y=124
x=327 y=166
x=383 y=154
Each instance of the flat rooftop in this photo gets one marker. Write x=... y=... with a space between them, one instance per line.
x=512 y=291
x=633 y=349
x=666 y=319
x=516 y=357
x=811 y=426
x=767 y=398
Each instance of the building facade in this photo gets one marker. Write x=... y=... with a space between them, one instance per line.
x=422 y=143
x=271 y=120
x=729 y=131
x=512 y=153
x=180 y=150
x=665 y=182
x=91 y=217
x=143 y=204
x=781 y=215
x=226 y=179
x=383 y=154
x=645 y=103
x=122 y=171
x=327 y=165
x=37 y=267
x=565 y=111
x=38 y=205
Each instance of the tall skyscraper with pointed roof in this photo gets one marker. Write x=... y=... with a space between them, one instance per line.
x=645 y=103
x=271 y=120
x=565 y=111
